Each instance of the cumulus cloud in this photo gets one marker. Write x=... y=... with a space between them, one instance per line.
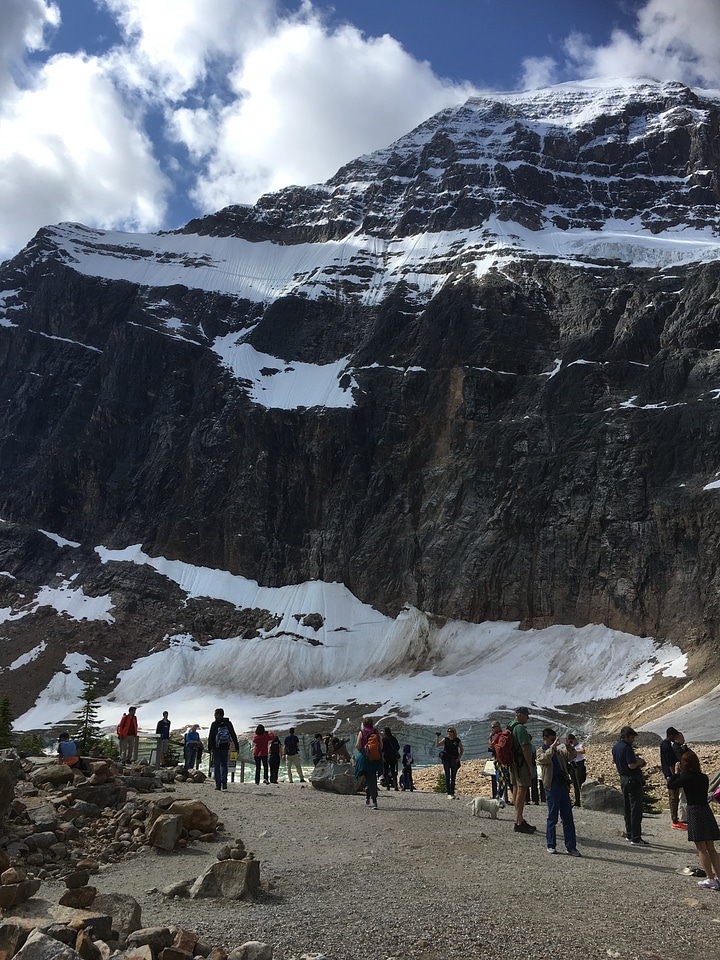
x=70 y=147
x=306 y=101
x=22 y=28
x=227 y=100
x=671 y=41
x=249 y=98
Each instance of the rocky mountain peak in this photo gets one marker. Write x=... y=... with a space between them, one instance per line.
x=473 y=377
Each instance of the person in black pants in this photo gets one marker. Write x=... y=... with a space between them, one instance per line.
x=629 y=766
x=391 y=755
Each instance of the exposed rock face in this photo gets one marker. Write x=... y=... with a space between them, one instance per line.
x=525 y=420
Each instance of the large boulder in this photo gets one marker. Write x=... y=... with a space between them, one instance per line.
x=125 y=912
x=12 y=894
x=195 y=815
x=599 y=796
x=39 y=946
x=232 y=879
x=102 y=795
x=56 y=774
x=334 y=777
x=165 y=832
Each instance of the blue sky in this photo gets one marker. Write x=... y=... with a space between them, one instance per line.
x=140 y=114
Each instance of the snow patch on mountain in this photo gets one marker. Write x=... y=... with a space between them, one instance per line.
x=349 y=653
x=274 y=383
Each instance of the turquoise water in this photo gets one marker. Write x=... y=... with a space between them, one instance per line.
x=474 y=736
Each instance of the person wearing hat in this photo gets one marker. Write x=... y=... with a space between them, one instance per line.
x=629 y=766
x=521 y=771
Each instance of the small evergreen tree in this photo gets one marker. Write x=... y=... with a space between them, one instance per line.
x=87 y=731
x=6 y=723
x=32 y=744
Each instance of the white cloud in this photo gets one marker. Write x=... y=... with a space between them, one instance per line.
x=258 y=97
x=22 y=27
x=70 y=150
x=259 y=100
x=307 y=101
x=671 y=41
x=538 y=72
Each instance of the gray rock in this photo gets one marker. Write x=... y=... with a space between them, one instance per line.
x=157 y=938
x=124 y=909
x=56 y=774
x=78 y=897
x=195 y=815
x=252 y=950
x=12 y=894
x=39 y=946
x=101 y=795
x=165 y=832
x=42 y=840
x=231 y=879
x=179 y=889
x=599 y=796
x=334 y=778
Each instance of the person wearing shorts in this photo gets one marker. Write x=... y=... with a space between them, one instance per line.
x=521 y=772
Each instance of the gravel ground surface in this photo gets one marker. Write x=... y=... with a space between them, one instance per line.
x=421 y=879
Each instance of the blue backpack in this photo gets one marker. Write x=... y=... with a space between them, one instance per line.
x=222 y=737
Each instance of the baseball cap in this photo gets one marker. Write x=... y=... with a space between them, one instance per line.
x=627 y=732
x=522 y=710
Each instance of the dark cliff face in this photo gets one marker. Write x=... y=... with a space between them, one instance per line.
x=531 y=441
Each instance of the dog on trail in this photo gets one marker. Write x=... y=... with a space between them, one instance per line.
x=486 y=805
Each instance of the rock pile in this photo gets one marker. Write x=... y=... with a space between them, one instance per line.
x=60 y=825
x=57 y=818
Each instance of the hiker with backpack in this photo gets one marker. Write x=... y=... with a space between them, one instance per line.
x=450 y=754
x=220 y=739
x=317 y=745
x=274 y=758
x=369 y=761
x=522 y=768
x=501 y=780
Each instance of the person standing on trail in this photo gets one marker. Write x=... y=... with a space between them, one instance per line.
x=629 y=765
x=521 y=771
x=221 y=737
x=291 y=752
x=128 y=740
x=162 y=732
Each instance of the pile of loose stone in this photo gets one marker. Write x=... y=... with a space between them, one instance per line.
x=56 y=816
x=57 y=825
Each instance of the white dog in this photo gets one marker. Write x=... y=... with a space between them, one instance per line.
x=487 y=805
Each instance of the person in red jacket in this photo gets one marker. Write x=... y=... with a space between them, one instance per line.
x=128 y=740
x=261 y=741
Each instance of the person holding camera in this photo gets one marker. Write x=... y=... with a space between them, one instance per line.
x=553 y=758
x=629 y=765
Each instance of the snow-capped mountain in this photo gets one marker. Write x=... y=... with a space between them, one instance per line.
x=472 y=380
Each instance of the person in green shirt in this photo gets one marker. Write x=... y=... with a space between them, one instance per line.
x=521 y=771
